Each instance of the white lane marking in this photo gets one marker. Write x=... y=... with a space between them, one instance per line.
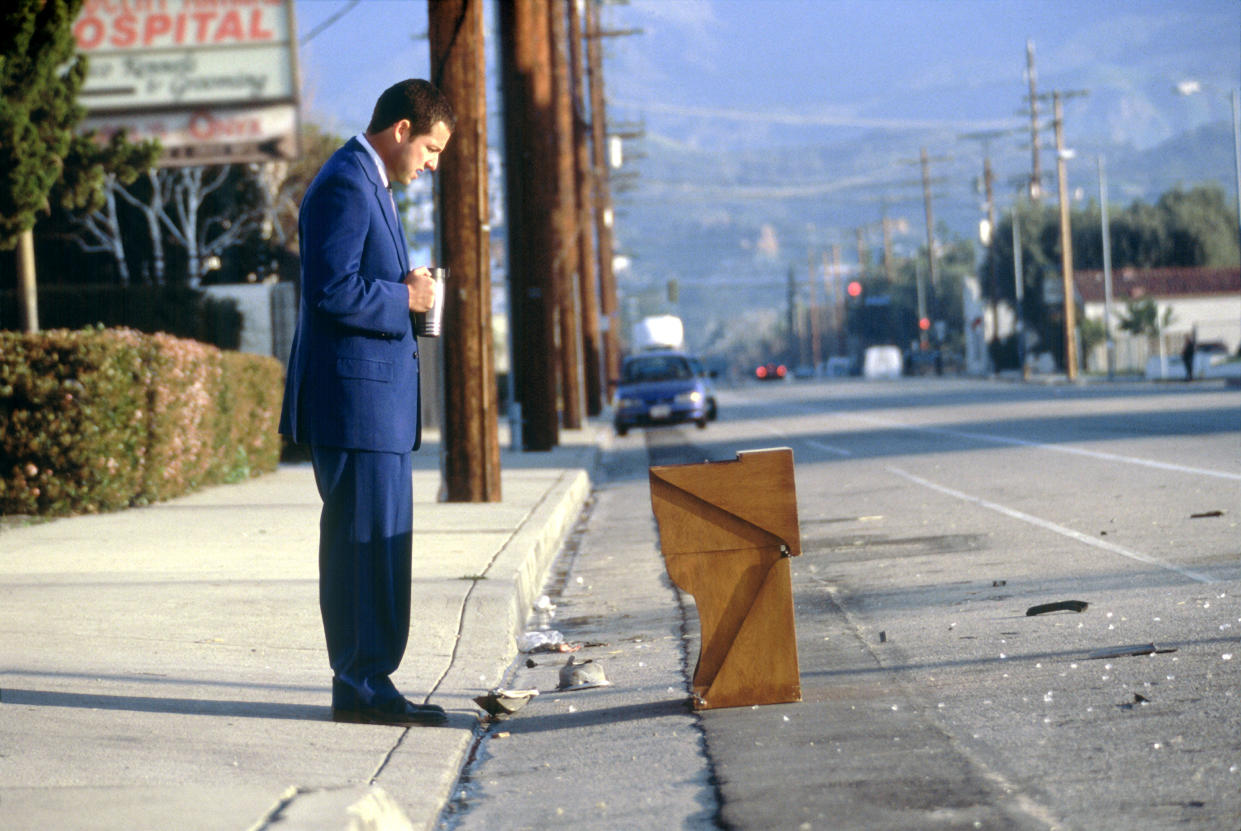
x=1059 y=448
x=839 y=451
x=1051 y=526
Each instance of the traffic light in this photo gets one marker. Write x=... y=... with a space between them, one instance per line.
x=854 y=288
x=924 y=323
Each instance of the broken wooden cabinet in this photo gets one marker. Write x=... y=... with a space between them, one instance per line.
x=727 y=531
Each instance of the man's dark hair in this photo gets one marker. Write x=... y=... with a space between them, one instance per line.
x=417 y=100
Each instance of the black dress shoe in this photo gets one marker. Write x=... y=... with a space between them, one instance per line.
x=397 y=711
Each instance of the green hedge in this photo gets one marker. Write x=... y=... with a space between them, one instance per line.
x=100 y=419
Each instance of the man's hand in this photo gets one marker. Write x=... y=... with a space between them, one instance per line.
x=421 y=289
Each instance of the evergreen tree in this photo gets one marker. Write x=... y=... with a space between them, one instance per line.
x=1202 y=226
x=91 y=160
x=40 y=75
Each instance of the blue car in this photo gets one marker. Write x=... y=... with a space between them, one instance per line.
x=661 y=388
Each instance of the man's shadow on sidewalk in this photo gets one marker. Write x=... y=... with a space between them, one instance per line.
x=172 y=706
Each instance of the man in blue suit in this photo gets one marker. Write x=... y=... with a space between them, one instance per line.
x=352 y=394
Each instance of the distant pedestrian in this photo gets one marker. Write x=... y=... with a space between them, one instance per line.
x=1187 y=353
x=352 y=394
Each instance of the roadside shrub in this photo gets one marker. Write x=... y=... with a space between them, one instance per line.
x=100 y=419
x=183 y=378
x=252 y=396
x=72 y=421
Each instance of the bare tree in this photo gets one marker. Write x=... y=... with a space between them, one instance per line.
x=271 y=178
x=101 y=229
x=201 y=237
x=151 y=209
x=176 y=203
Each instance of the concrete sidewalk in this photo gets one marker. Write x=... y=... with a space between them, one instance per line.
x=164 y=667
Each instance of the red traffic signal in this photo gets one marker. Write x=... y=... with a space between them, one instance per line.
x=854 y=288
x=924 y=323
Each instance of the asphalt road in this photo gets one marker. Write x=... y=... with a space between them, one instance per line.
x=934 y=513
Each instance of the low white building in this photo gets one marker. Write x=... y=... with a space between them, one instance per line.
x=1205 y=301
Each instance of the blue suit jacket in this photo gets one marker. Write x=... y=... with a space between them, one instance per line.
x=353 y=370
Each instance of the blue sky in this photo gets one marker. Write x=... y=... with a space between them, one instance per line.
x=761 y=71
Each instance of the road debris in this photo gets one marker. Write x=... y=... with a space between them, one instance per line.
x=1130 y=651
x=1060 y=606
x=1139 y=700
x=549 y=640
x=501 y=703
x=582 y=675
x=1206 y=514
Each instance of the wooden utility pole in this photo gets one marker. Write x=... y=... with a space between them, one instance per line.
x=816 y=314
x=888 y=261
x=1036 y=170
x=930 y=217
x=564 y=221
x=530 y=155
x=1066 y=242
x=988 y=184
x=588 y=291
x=610 y=321
x=930 y=239
x=471 y=442
x=990 y=287
x=838 y=301
x=794 y=350
x=991 y=293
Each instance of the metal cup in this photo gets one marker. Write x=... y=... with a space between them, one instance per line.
x=428 y=324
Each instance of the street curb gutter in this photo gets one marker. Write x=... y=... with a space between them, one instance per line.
x=496 y=610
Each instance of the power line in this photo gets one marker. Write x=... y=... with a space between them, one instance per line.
x=325 y=24
x=802 y=119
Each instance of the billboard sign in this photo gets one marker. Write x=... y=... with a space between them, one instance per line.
x=214 y=80
x=210 y=135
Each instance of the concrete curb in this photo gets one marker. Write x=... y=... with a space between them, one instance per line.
x=496 y=609
x=493 y=613
x=361 y=808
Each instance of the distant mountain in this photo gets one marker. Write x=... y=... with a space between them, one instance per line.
x=728 y=224
x=1202 y=155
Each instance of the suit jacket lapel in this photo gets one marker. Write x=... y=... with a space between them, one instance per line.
x=400 y=232
x=387 y=206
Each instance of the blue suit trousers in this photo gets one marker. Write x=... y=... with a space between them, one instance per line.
x=365 y=549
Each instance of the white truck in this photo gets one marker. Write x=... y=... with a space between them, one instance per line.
x=658 y=332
